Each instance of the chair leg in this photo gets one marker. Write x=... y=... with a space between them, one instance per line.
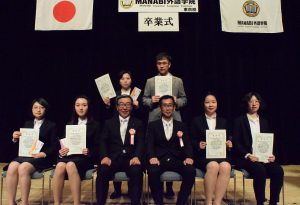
x=92 y=200
x=283 y=192
x=50 y=193
x=1 y=189
x=244 y=189
x=234 y=189
x=43 y=186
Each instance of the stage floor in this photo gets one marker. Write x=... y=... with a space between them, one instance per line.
x=291 y=186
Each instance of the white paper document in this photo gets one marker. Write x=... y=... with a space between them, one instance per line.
x=105 y=86
x=163 y=85
x=263 y=146
x=28 y=141
x=215 y=144
x=135 y=93
x=75 y=138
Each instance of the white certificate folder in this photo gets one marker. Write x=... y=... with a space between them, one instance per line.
x=215 y=144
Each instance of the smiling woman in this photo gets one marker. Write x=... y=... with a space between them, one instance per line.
x=21 y=168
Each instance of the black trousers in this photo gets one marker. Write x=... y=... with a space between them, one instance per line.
x=260 y=172
x=105 y=174
x=188 y=178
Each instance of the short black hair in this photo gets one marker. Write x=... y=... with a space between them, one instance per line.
x=248 y=97
x=42 y=102
x=122 y=72
x=163 y=55
x=123 y=96
x=209 y=93
x=164 y=97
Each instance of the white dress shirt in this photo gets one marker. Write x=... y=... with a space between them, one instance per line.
x=211 y=121
x=125 y=92
x=254 y=128
x=123 y=127
x=37 y=123
x=82 y=122
x=168 y=128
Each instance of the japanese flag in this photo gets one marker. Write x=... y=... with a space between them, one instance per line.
x=64 y=15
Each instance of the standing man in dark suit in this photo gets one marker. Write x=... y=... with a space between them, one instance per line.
x=169 y=149
x=245 y=129
x=150 y=100
x=121 y=149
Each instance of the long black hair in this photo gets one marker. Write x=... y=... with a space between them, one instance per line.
x=89 y=114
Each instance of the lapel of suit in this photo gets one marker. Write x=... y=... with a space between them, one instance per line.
x=162 y=130
x=248 y=129
x=174 y=91
x=204 y=121
x=116 y=128
x=127 y=135
x=174 y=131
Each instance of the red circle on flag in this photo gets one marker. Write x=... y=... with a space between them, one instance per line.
x=64 y=11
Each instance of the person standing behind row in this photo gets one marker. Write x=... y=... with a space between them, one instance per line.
x=245 y=128
x=74 y=166
x=217 y=170
x=150 y=100
x=21 y=168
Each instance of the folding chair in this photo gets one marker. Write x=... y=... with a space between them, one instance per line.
x=35 y=175
x=200 y=175
x=89 y=175
x=247 y=175
x=168 y=176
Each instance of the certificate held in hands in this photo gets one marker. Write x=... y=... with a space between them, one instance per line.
x=105 y=86
x=28 y=141
x=163 y=85
x=215 y=144
x=263 y=146
x=75 y=138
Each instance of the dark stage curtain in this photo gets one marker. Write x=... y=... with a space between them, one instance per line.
x=59 y=65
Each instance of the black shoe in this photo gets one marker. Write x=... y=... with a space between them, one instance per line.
x=169 y=194
x=115 y=195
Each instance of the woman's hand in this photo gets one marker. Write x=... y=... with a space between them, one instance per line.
x=202 y=145
x=16 y=135
x=63 y=151
x=39 y=155
x=85 y=151
x=106 y=101
x=271 y=158
x=136 y=104
x=252 y=158
x=229 y=144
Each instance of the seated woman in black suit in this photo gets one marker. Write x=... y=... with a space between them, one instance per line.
x=245 y=128
x=217 y=170
x=21 y=168
x=75 y=166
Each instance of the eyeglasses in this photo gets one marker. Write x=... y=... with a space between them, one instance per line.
x=167 y=105
x=123 y=105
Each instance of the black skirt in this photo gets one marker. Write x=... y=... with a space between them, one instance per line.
x=82 y=163
x=202 y=163
x=38 y=163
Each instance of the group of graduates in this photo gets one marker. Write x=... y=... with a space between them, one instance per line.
x=123 y=144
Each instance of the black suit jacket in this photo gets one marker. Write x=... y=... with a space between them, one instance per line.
x=158 y=145
x=198 y=133
x=92 y=138
x=48 y=135
x=242 y=137
x=111 y=144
